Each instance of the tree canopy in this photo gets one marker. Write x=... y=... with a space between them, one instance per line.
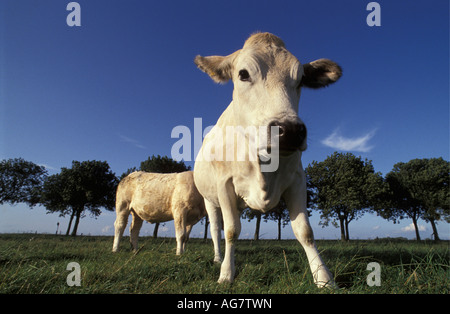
x=419 y=189
x=21 y=181
x=87 y=185
x=159 y=164
x=343 y=187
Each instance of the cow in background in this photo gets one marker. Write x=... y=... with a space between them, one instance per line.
x=158 y=197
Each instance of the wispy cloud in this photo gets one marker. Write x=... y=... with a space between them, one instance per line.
x=107 y=229
x=410 y=228
x=357 y=144
x=48 y=167
x=132 y=141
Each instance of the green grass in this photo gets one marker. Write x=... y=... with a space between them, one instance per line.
x=37 y=264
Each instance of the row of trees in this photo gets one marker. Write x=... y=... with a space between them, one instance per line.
x=341 y=188
x=86 y=187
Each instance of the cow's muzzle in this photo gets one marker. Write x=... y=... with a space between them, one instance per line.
x=291 y=135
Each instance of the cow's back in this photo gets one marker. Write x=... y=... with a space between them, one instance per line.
x=150 y=194
x=157 y=197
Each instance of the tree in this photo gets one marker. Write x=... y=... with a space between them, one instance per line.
x=433 y=190
x=279 y=214
x=419 y=189
x=159 y=164
x=20 y=181
x=88 y=185
x=206 y=222
x=163 y=164
x=343 y=187
x=250 y=214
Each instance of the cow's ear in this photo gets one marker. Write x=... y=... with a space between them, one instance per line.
x=320 y=73
x=219 y=68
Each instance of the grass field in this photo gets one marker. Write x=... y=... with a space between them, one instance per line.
x=37 y=264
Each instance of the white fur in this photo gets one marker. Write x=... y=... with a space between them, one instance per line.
x=271 y=94
x=157 y=197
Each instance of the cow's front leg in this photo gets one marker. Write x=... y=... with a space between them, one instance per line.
x=232 y=229
x=295 y=198
x=215 y=227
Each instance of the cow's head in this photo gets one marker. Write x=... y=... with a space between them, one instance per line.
x=267 y=83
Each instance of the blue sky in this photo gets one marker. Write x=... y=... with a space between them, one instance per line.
x=115 y=87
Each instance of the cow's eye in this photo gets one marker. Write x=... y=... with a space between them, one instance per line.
x=244 y=76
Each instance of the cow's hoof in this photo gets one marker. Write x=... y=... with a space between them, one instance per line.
x=327 y=284
x=224 y=280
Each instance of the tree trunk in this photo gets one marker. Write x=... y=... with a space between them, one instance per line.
x=205 y=236
x=70 y=222
x=155 y=231
x=347 y=236
x=416 y=228
x=279 y=228
x=342 y=225
x=258 y=224
x=435 y=232
x=77 y=221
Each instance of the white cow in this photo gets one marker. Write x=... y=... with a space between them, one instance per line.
x=267 y=82
x=158 y=197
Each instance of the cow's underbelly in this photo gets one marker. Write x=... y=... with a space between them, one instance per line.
x=260 y=203
x=258 y=196
x=263 y=191
x=153 y=214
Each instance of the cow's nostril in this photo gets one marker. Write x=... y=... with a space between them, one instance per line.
x=291 y=135
x=275 y=124
x=281 y=128
x=302 y=130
